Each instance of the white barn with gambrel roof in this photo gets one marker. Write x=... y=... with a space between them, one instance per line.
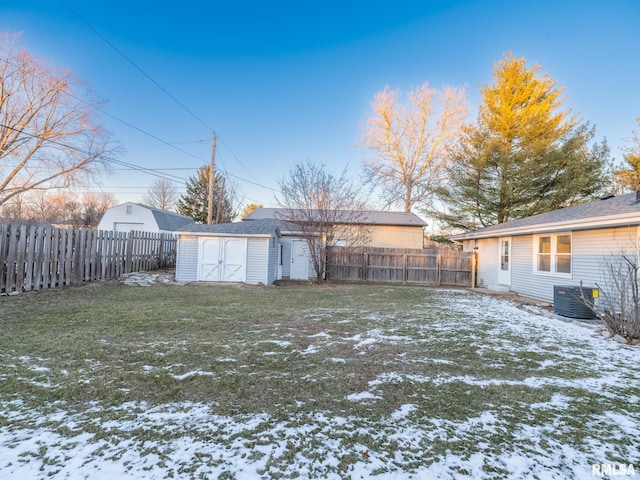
x=135 y=216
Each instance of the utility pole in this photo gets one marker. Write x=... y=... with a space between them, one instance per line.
x=211 y=177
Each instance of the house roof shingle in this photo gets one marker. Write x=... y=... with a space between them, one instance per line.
x=265 y=226
x=368 y=217
x=607 y=212
x=169 y=221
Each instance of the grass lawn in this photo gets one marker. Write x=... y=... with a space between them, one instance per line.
x=340 y=381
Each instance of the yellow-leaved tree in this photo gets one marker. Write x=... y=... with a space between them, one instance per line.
x=628 y=177
x=525 y=155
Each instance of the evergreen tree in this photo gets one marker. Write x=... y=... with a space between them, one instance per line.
x=524 y=156
x=194 y=203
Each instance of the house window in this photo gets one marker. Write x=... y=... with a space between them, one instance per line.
x=129 y=209
x=553 y=254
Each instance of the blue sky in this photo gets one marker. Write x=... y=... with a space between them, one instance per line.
x=280 y=82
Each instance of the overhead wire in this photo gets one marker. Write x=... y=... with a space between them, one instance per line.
x=150 y=135
x=114 y=160
x=135 y=65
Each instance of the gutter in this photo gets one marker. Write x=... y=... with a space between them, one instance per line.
x=222 y=234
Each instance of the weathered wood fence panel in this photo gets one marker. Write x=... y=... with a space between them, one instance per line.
x=36 y=257
x=425 y=266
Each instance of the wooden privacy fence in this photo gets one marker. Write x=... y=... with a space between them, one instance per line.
x=34 y=257
x=425 y=266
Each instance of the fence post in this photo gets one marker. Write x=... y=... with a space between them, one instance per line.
x=405 y=273
x=128 y=261
x=4 y=250
x=22 y=250
x=11 y=258
x=365 y=273
x=474 y=260
x=161 y=251
x=438 y=272
x=29 y=279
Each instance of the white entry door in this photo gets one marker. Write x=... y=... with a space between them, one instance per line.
x=504 y=261
x=222 y=259
x=299 y=260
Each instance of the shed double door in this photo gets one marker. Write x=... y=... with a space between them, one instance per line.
x=222 y=259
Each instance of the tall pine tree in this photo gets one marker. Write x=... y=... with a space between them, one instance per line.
x=524 y=156
x=194 y=203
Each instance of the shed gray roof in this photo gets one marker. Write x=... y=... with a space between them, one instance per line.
x=265 y=226
x=169 y=221
x=607 y=212
x=408 y=219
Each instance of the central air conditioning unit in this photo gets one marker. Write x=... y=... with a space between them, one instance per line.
x=567 y=301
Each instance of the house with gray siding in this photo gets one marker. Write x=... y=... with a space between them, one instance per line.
x=384 y=229
x=135 y=216
x=565 y=247
x=245 y=252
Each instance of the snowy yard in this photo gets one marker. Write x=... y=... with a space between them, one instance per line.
x=386 y=382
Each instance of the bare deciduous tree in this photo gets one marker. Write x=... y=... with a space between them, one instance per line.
x=411 y=142
x=62 y=208
x=325 y=208
x=93 y=206
x=49 y=133
x=618 y=306
x=162 y=194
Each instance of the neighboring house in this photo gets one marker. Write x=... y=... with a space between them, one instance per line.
x=247 y=252
x=384 y=229
x=134 y=216
x=564 y=247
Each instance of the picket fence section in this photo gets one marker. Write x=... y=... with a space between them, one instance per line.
x=36 y=257
x=424 y=266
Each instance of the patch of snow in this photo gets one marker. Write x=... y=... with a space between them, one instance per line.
x=362 y=396
x=403 y=411
x=310 y=349
x=193 y=373
x=280 y=343
x=320 y=335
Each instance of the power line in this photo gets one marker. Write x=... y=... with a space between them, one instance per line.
x=132 y=166
x=129 y=60
x=236 y=157
x=136 y=66
x=150 y=135
x=84 y=152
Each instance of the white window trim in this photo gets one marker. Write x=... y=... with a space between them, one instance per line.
x=553 y=254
